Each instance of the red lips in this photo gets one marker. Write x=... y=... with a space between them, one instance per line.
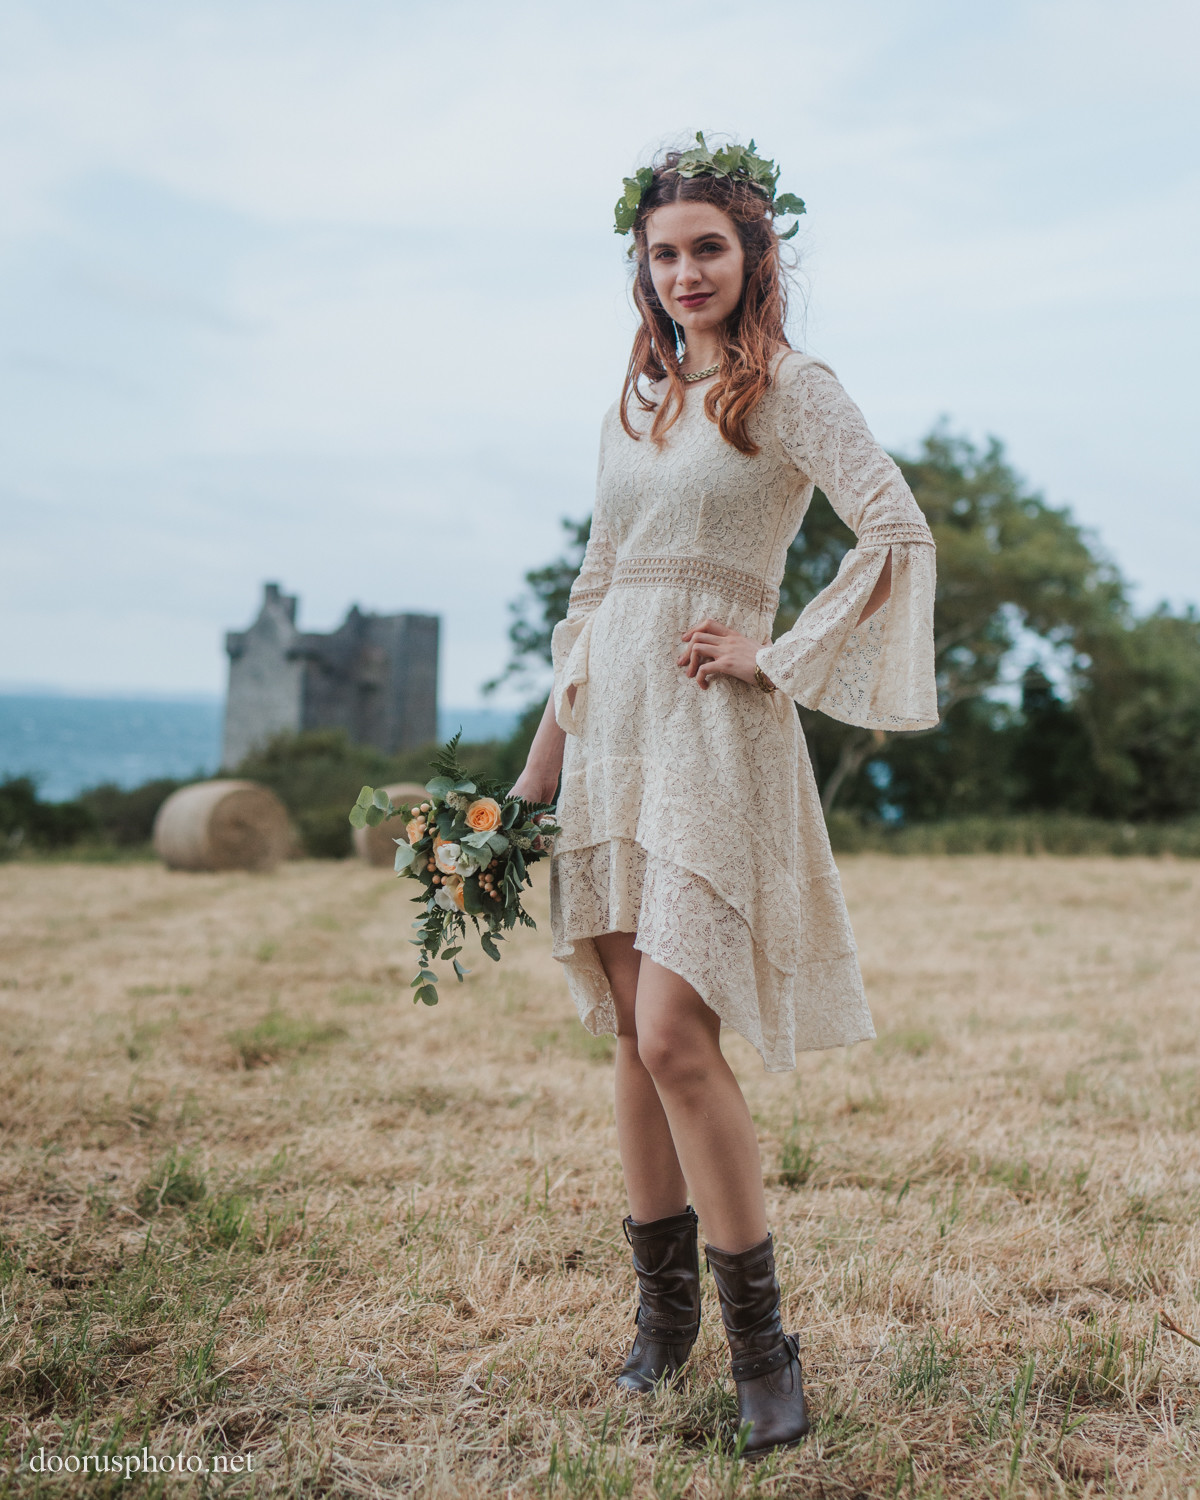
x=698 y=299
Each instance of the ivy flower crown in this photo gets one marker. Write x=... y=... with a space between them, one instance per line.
x=737 y=162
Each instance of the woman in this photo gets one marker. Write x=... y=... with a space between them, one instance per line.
x=693 y=884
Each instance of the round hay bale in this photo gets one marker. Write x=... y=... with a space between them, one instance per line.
x=222 y=825
x=376 y=845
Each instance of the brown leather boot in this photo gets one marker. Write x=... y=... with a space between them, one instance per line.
x=766 y=1361
x=667 y=1262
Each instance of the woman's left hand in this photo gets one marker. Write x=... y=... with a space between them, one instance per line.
x=711 y=649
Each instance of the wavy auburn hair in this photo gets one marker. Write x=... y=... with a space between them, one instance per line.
x=749 y=337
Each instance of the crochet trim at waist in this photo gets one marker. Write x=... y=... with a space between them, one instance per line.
x=698 y=572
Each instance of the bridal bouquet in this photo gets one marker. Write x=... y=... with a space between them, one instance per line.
x=470 y=846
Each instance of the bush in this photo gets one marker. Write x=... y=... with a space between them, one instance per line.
x=25 y=822
x=1048 y=833
x=126 y=817
x=317 y=775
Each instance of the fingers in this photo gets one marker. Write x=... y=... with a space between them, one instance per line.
x=708 y=627
x=697 y=650
x=717 y=667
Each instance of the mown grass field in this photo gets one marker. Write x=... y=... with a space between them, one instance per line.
x=253 y=1203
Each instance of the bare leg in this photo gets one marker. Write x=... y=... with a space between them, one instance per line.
x=678 y=1040
x=654 y=1180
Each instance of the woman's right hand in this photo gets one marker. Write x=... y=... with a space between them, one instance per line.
x=538 y=782
x=533 y=785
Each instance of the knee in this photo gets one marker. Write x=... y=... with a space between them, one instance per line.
x=675 y=1058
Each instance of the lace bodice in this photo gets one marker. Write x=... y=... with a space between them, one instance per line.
x=699 y=498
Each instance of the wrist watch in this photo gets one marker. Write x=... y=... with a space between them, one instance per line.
x=763 y=680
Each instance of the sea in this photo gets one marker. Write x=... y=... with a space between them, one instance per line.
x=67 y=744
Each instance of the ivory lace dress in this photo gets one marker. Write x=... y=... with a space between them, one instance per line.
x=691 y=817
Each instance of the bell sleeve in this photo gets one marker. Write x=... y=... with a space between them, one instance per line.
x=571 y=638
x=880 y=674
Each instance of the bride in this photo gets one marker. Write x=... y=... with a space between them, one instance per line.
x=693 y=886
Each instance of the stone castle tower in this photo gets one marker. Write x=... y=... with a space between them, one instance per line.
x=375 y=676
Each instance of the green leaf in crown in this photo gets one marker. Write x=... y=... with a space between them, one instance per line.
x=726 y=161
x=469 y=845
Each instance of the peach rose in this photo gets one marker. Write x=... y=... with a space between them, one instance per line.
x=483 y=815
x=414 y=829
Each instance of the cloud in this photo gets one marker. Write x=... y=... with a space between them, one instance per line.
x=281 y=277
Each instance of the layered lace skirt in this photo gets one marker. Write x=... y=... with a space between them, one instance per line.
x=690 y=818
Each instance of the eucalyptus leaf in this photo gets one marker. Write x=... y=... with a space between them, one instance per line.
x=459 y=970
x=439 y=786
x=467 y=788
x=405 y=855
x=366 y=796
x=358 y=817
x=381 y=799
x=375 y=816
x=427 y=996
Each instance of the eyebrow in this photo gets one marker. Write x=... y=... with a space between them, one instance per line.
x=710 y=234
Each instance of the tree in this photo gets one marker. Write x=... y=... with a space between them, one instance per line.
x=534 y=614
x=1139 y=700
x=1009 y=566
x=1012 y=570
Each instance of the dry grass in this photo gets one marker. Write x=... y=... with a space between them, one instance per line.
x=255 y=1202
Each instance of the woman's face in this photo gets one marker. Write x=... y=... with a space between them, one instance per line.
x=697 y=263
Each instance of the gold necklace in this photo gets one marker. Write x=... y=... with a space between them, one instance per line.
x=701 y=374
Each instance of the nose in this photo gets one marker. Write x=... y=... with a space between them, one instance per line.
x=689 y=272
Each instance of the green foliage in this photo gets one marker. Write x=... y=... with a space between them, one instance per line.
x=1139 y=703
x=797 y=1157
x=173 y=1183
x=701 y=161
x=1006 y=833
x=466 y=871
x=1119 y=739
x=924 y=1367
x=534 y=615
x=315 y=775
x=125 y=817
x=27 y=823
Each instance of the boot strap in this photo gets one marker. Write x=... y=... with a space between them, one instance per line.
x=750 y=1366
x=667 y=1333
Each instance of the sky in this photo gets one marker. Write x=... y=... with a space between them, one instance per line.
x=327 y=292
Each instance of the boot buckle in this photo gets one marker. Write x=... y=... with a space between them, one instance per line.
x=750 y=1366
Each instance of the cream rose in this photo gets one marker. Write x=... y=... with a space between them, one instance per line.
x=483 y=815
x=445 y=856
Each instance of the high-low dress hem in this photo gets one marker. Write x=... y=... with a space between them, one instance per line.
x=690 y=817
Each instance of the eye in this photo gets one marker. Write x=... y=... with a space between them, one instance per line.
x=711 y=247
